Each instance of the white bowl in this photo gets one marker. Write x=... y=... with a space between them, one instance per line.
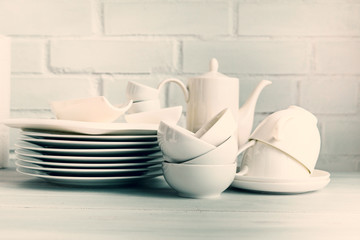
x=178 y=144
x=139 y=92
x=92 y=109
x=218 y=129
x=293 y=131
x=225 y=153
x=265 y=161
x=171 y=114
x=199 y=181
x=144 y=106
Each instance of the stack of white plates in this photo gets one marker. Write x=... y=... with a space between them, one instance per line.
x=118 y=156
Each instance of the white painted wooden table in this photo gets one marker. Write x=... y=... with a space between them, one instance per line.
x=31 y=208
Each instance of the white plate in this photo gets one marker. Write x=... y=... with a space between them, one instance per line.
x=82 y=127
x=55 y=171
x=56 y=143
x=316 y=182
x=87 y=181
x=88 y=152
x=60 y=135
x=89 y=165
x=87 y=159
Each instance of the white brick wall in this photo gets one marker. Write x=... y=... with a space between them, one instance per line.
x=309 y=49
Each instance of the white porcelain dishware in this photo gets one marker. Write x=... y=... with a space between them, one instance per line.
x=178 y=144
x=293 y=131
x=170 y=114
x=144 y=106
x=92 y=109
x=210 y=93
x=225 y=153
x=265 y=161
x=218 y=129
x=139 y=92
x=89 y=128
x=317 y=181
x=105 y=181
x=199 y=181
x=84 y=137
x=87 y=159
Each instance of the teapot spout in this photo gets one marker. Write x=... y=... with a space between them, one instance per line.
x=246 y=113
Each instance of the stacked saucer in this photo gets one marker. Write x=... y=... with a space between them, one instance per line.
x=79 y=159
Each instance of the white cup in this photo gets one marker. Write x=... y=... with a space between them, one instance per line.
x=265 y=161
x=144 y=106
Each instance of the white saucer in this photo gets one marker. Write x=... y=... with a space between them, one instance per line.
x=82 y=127
x=318 y=180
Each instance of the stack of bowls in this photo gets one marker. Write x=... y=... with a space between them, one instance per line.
x=201 y=164
x=146 y=105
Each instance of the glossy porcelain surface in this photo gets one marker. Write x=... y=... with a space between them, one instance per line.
x=171 y=114
x=225 y=153
x=93 y=109
x=199 y=181
x=218 y=129
x=265 y=161
x=294 y=131
x=144 y=106
x=179 y=144
x=139 y=92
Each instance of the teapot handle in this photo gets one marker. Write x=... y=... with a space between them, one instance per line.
x=179 y=83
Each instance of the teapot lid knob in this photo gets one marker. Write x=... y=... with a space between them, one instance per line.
x=214 y=65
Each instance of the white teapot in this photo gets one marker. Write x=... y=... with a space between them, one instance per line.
x=210 y=93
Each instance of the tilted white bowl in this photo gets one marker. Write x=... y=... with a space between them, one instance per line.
x=171 y=114
x=225 y=153
x=199 y=181
x=218 y=129
x=178 y=144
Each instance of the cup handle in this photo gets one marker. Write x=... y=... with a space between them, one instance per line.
x=245 y=146
x=179 y=83
x=245 y=168
x=243 y=171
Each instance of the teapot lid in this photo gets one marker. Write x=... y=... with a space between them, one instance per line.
x=213 y=73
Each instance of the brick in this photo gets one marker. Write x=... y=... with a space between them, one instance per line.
x=338 y=57
x=341 y=137
x=259 y=57
x=27 y=56
x=330 y=19
x=37 y=93
x=329 y=95
x=277 y=96
x=111 y=56
x=43 y=17
x=205 y=18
